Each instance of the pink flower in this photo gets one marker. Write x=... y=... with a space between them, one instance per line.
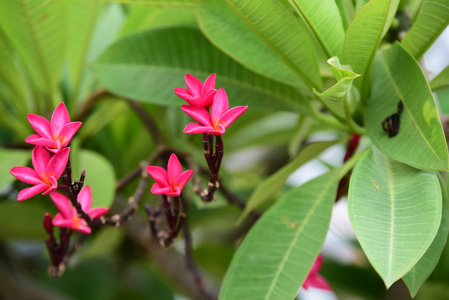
x=68 y=217
x=53 y=135
x=314 y=279
x=196 y=93
x=44 y=177
x=170 y=182
x=218 y=120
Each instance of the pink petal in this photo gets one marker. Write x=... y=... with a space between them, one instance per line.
x=58 y=163
x=40 y=125
x=53 y=185
x=183 y=178
x=194 y=128
x=209 y=98
x=26 y=174
x=158 y=190
x=83 y=228
x=182 y=93
x=220 y=105
x=231 y=115
x=174 y=193
x=317 y=265
x=59 y=118
x=159 y=174
x=193 y=84
x=209 y=84
x=68 y=132
x=200 y=114
x=85 y=198
x=37 y=140
x=318 y=282
x=60 y=221
x=40 y=158
x=97 y=212
x=32 y=191
x=63 y=204
x=219 y=130
x=174 y=168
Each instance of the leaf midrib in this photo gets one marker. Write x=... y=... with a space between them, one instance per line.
x=293 y=243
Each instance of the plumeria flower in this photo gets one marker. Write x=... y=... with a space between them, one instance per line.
x=44 y=177
x=196 y=93
x=314 y=279
x=68 y=217
x=170 y=182
x=219 y=118
x=53 y=135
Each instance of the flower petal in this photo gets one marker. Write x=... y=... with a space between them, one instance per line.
x=26 y=174
x=68 y=131
x=317 y=281
x=53 y=185
x=219 y=130
x=58 y=163
x=220 y=105
x=97 y=212
x=209 y=98
x=159 y=174
x=85 y=198
x=40 y=158
x=182 y=93
x=37 y=140
x=317 y=265
x=59 y=118
x=32 y=191
x=60 y=221
x=200 y=114
x=63 y=204
x=40 y=125
x=194 y=128
x=209 y=84
x=174 y=168
x=158 y=190
x=231 y=115
x=183 y=178
x=83 y=228
x=193 y=84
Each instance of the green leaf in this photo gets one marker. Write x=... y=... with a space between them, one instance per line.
x=276 y=256
x=21 y=220
x=275 y=182
x=420 y=141
x=338 y=99
x=441 y=80
x=219 y=23
x=391 y=15
x=363 y=38
x=432 y=19
x=161 y=58
x=143 y=17
x=422 y=270
x=395 y=211
x=286 y=36
x=10 y=158
x=36 y=30
x=104 y=243
x=175 y=3
x=100 y=176
x=329 y=29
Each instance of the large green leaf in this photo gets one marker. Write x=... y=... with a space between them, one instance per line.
x=22 y=220
x=432 y=19
x=275 y=257
x=329 y=29
x=100 y=176
x=36 y=30
x=363 y=38
x=420 y=141
x=160 y=59
x=220 y=23
x=419 y=273
x=395 y=211
x=175 y=3
x=286 y=36
x=10 y=158
x=339 y=98
x=275 y=182
x=441 y=80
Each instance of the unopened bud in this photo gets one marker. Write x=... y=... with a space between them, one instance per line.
x=48 y=224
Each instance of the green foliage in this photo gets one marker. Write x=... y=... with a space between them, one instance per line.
x=395 y=211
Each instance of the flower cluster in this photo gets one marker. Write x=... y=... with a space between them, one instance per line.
x=50 y=158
